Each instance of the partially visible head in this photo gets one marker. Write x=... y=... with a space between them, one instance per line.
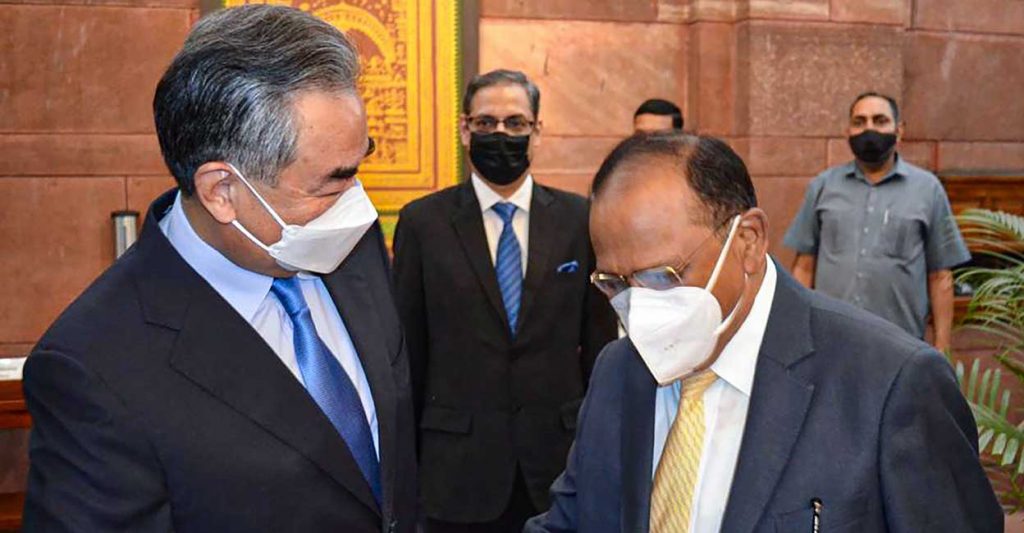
x=668 y=200
x=657 y=115
x=272 y=91
x=874 y=127
x=501 y=102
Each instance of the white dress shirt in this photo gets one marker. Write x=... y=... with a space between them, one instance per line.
x=249 y=294
x=725 y=413
x=493 y=224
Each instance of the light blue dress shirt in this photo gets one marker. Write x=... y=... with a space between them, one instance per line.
x=249 y=294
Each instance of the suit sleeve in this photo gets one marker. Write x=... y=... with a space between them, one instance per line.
x=90 y=467
x=932 y=479
x=600 y=325
x=411 y=303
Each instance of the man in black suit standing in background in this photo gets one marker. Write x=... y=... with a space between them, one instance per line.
x=241 y=367
x=501 y=325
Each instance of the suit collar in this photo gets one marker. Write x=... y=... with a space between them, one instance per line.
x=738 y=360
x=244 y=289
x=779 y=402
x=486 y=196
x=214 y=343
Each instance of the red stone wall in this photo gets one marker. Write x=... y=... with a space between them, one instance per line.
x=76 y=143
x=773 y=77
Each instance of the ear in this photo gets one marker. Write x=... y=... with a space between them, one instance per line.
x=214 y=182
x=899 y=131
x=464 y=133
x=536 y=135
x=753 y=237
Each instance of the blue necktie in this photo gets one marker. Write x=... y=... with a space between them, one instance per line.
x=509 y=265
x=327 y=382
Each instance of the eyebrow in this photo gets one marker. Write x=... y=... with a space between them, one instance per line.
x=341 y=173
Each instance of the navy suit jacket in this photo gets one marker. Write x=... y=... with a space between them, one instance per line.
x=156 y=408
x=845 y=407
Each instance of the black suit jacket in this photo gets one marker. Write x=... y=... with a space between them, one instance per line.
x=489 y=401
x=156 y=407
x=845 y=407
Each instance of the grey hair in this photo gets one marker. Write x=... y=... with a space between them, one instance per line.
x=502 y=77
x=228 y=94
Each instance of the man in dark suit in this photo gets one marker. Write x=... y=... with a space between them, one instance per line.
x=795 y=412
x=241 y=368
x=501 y=324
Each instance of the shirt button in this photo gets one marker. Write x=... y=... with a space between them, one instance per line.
x=863 y=251
x=871 y=209
x=865 y=231
x=860 y=275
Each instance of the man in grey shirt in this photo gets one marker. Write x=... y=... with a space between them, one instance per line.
x=878 y=232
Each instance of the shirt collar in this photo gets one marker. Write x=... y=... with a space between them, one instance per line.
x=244 y=289
x=738 y=361
x=899 y=169
x=487 y=197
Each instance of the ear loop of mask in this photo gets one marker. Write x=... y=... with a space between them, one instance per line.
x=718 y=269
x=266 y=206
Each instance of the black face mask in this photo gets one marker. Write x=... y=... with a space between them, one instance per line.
x=500 y=158
x=872 y=147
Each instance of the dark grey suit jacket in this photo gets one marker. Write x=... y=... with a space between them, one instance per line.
x=490 y=403
x=845 y=407
x=157 y=408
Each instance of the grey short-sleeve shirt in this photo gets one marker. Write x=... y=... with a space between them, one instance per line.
x=876 y=243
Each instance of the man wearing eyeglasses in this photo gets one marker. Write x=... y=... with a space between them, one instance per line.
x=741 y=400
x=501 y=323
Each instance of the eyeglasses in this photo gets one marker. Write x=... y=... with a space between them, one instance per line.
x=657 y=278
x=514 y=125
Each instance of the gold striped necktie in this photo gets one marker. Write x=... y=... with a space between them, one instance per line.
x=676 y=476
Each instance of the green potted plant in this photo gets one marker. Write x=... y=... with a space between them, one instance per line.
x=996 y=310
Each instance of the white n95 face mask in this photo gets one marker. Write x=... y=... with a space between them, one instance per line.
x=322 y=243
x=675 y=330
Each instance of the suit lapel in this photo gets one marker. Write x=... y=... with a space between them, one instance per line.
x=469 y=226
x=543 y=221
x=779 y=403
x=637 y=444
x=221 y=353
x=356 y=306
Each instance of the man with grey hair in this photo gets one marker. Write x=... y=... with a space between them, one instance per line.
x=241 y=368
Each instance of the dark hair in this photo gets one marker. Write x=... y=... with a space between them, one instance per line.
x=892 y=103
x=228 y=94
x=657 y=106
x=502 y=77
x=711 y=168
